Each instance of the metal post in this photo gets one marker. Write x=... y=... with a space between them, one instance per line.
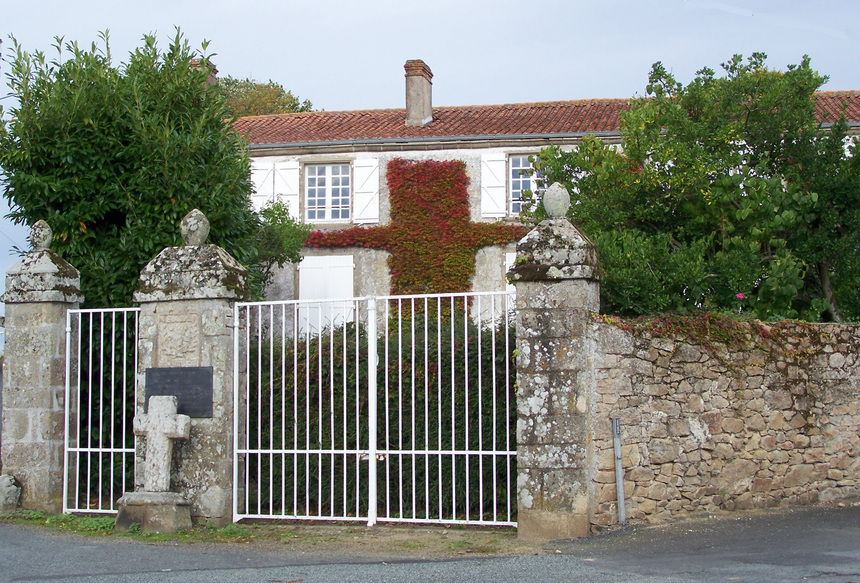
x=67 y=459
x=619 y=471
x=371 y=410
x=236 y=401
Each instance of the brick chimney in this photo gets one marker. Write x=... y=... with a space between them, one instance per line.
x=213 y=72
x=419 y=90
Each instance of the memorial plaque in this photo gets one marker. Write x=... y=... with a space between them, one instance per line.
x=192 y=387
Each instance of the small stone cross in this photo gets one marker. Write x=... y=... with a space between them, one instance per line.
x=160 y=427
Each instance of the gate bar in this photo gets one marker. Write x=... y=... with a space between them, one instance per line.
x=372 y=357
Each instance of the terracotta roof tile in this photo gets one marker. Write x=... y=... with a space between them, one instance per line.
x=830 y=105
x=550 y=118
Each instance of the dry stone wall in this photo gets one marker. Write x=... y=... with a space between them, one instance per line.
x=767 y=418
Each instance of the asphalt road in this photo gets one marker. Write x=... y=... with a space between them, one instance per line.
x=810 y=544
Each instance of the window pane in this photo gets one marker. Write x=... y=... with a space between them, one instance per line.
x=520 y=180
x=327 y=192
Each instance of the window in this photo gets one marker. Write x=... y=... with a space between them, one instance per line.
x=327 y=192
x=522 y=179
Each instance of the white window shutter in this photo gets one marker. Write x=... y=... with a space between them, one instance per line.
x=286 y=185
x=263 y=181
x=510 y=259
x=325 y=277
x=366 y=191
x=494 y=191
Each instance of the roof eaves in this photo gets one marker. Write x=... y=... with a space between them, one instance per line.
x=431 y=139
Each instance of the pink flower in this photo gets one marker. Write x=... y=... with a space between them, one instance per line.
x=740 y=296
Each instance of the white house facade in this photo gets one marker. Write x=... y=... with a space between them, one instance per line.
x=329 y=168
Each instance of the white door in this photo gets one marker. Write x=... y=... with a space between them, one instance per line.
x=326 y=281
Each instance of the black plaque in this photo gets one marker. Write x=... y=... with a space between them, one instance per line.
x=192 y=387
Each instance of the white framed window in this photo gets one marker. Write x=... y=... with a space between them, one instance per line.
x=520 y=178
x=327 y=192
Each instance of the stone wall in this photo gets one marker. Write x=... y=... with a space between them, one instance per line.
x=770 y=417
x=714 y=413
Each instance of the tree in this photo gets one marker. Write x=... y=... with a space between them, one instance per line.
x=727 y=194
x=246 y=97
x=280 y=239
x=114 y=157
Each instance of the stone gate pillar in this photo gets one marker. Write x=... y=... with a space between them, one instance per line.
x=185 y=348
x=40 y=289
x=556 y=273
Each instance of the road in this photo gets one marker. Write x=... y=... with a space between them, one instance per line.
x=810 y=544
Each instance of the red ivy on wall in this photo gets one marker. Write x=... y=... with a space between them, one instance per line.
x=430 y=238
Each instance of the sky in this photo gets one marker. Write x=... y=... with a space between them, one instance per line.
x=349 y=54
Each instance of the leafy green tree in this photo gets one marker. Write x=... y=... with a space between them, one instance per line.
x=726 y=194
x=280 y=239
x=114 y=157
x=247 y=97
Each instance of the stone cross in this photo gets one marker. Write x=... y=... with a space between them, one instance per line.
x=160 y=427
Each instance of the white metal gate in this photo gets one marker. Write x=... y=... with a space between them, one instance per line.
x=101 y=365
x=395 y=409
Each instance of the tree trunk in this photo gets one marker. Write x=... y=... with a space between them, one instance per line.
x=827 y=291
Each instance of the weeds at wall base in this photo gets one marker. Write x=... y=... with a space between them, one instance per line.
x=333 y=537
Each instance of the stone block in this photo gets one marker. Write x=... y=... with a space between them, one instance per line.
x=732 y=425
x=539 y=525
x=736 y=476
x=614 y=340
x=799 y=475
x=569 y=428
x=661 y=492
x=838 y=493
x=577 y=296
x=679 y=427
x=756 y=423
x=551 y=456
x=192 y=272
x=49 y=425
x=16 y=425
x=640 y=474
x=661 y=451
x=548 y=323
x=562 y=488
x=38 y=468
x=10 y=493
x=158 y=512
x=761 y=485
x=687 y=353
x=607 y=492
x=629 y=457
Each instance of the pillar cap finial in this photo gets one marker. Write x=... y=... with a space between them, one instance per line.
x=556 y=201
x=41 y=235
x=194 y=228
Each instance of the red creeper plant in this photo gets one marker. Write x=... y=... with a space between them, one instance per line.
x=430 y=238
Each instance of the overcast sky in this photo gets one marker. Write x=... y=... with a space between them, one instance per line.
x=349 y=54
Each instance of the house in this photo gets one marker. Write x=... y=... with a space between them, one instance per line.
x=329 y=168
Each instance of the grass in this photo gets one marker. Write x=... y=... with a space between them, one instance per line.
x=335 y=538
x=103 y=525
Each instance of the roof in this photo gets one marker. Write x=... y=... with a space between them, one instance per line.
x=551 y=119
x=830 y=105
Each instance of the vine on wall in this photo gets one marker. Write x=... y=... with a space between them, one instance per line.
x=430 y=238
